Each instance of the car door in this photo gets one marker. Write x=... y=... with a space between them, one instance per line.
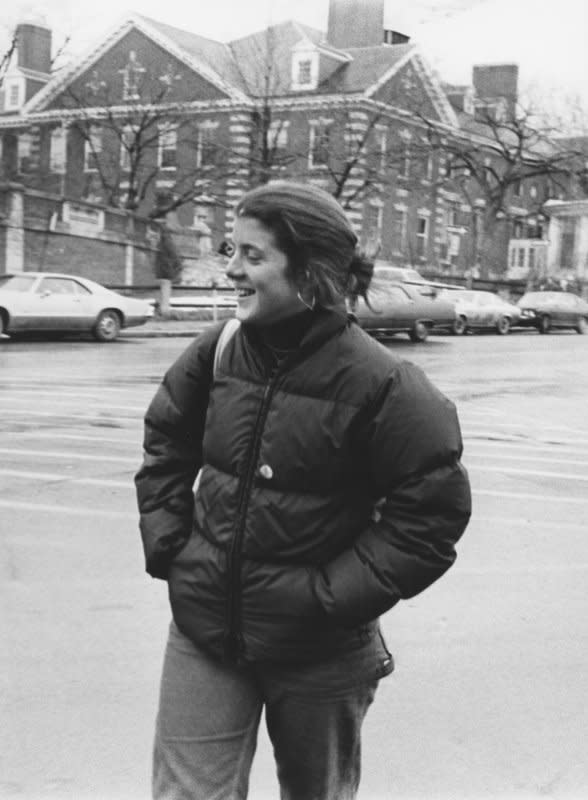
x=399 y=310
x=61 y=306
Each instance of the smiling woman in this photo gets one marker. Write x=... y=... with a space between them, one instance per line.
x=329 y=488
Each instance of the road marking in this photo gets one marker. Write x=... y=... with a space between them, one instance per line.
x=539 y=569
x=543 y=498
x=520 y=444
x=534 y=472
x=535 y=459
x=70 y=510
x=68 y=399
x=465 y=423
x=138 y=441
x=67 y=415
x=489 y=434
x=520 y=521
x=54 y=477
x=77 y=456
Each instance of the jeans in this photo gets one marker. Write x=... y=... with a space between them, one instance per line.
x=209 y=714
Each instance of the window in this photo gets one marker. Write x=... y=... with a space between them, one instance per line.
x=58 y=150
x=453 y=215
x=304 y=72
x=14 y=96
x=405 y=163
x=422 y=231
x=207 y=147
x=399 y=230
x=518 y=229
x=429 y=166
x=517 y=188
x=278 y=134
x=61 y=286
x=92 y=149
x=127 y=148
x=319 y=144
x=382 y=147
x=373 y=223
x=168 y=143
x=25 y=147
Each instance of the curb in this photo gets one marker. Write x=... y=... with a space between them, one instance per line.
x=160 y=334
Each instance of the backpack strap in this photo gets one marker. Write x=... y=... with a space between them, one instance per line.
x=227 y=333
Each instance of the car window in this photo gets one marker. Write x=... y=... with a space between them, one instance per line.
x=57 y=286
x=80 y=288
x=17 y=283
x=397 y=295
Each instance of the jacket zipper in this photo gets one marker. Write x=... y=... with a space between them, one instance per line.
x=233 y=638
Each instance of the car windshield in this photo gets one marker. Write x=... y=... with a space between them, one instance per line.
x=16 y=283
x=534 y=297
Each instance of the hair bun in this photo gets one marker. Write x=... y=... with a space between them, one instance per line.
x=361 y=271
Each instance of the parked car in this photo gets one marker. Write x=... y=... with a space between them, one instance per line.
x=547 y=310
x=410 y=276
x=401 y=308
x=48 y=302
x=480 y=310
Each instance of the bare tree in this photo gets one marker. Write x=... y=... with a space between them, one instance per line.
x=144 y=142
x=492 y=160
x=6 y=58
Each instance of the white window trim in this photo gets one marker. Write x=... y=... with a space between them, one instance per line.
x=125 y=158
x=9 y=85
x=298 y=59
x=382 y=146
x=314 y=125
x=58 y=150
x=423 y=237
x=278 y=134
x=379 y=207
x=167 y=130
x=92 y=148
x=207 y=125
x=402 y=210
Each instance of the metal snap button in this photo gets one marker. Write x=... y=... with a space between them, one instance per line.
x=266 y=472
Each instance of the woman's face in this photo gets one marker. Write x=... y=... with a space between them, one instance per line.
x=258 y=269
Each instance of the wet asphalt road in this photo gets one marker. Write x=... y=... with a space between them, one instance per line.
x=489 y=696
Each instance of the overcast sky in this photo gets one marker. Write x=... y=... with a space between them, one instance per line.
x=547 y=40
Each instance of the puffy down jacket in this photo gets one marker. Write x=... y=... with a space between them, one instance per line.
x=330 y=488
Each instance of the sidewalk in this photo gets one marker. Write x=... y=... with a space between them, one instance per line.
x=188 y=324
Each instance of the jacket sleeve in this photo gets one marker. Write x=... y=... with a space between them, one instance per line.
x=409 y=443
x=173 y=432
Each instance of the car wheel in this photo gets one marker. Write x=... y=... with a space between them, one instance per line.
x=2 y=327
x=459 y=325
x=503 y=326
x=107 y=326
x=418 y=332
x=544 y=323
x=581 y=325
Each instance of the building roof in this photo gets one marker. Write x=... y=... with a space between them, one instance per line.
x=259 y=64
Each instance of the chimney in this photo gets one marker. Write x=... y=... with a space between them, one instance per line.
x=34 y=47
x=494 y=82
x=355 y=23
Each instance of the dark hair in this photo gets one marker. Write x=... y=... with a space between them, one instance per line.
x=312 y=229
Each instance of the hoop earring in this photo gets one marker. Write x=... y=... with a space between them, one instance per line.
x=310 y=306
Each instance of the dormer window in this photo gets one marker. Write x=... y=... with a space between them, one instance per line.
x=304 y=74
x=14 y=93
x=305 y=69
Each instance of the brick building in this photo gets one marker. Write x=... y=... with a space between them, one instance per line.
x=156 y=117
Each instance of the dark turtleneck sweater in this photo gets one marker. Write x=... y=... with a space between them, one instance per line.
x=280 y=338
